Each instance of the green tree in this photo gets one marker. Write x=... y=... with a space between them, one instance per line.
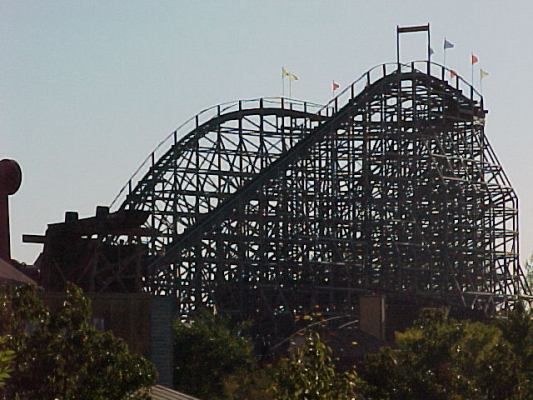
x=6 y=356
x=61 y=355
x=310 y=374
x=440 y=358
x=210 y=352
x=517 y=329
x=214 y=360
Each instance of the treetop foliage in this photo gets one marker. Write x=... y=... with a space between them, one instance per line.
x=438 y=358
x=310 y=374
x=441 y=358
x=208 y=351
x=214 y=360
x=61 y=355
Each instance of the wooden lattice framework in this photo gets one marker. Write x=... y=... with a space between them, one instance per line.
x=269 y=209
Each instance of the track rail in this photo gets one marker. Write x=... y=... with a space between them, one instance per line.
x=412 y=198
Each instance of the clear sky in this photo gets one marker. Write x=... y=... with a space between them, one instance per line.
x=88 y=88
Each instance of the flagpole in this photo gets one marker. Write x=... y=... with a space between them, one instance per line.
x=290 y=87
x=472 y=63
x=282 y=82
x=444 y=53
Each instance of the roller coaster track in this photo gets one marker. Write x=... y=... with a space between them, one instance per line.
x=392 y=186
x=228 y=144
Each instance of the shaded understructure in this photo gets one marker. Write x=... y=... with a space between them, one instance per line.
x=266 y=210
x=269 y=208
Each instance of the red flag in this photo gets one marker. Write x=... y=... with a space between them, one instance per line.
x=453 y=74
x=335 y=86
x=474 y=59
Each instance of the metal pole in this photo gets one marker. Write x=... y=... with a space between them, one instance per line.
x=444 y=63
x=282 y=82
x=290 y=87
x=472 y=65
x=429 y=51
x=398 y=46
x=5 y=247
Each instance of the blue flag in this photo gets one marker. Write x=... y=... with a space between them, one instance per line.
x=448 y=45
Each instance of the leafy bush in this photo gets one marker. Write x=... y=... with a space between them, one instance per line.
x=208 y=353
x=440 y=358
x=61 y=355
x=310 y=374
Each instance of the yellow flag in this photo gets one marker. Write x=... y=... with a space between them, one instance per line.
x=483 y=73
x=290 y=75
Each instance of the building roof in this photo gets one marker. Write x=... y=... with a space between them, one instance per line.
x=12 y=275
x=159 y=392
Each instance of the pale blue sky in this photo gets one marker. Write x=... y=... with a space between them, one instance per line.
x=87 y=89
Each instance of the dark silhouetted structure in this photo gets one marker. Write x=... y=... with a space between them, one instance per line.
x=10 y=180
x=269 y=207
x=388 y=199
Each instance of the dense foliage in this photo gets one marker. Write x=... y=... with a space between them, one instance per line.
x=215 y=361
x=310 y=374
x=61 y=355
x=440 y=358
x=517 y=329
x=6 y=356
x=209 y=352
x=437 y=358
